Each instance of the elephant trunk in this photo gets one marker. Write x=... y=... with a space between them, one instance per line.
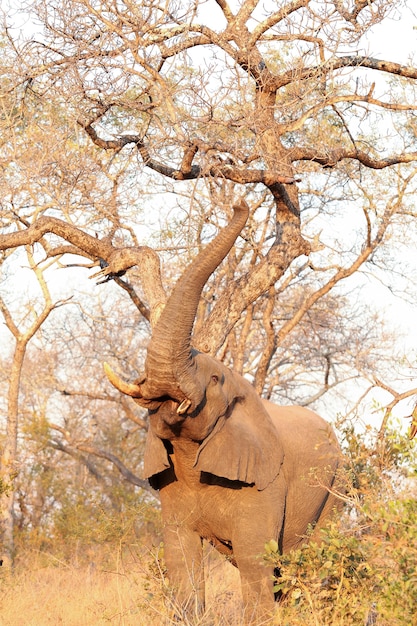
x=170 y=365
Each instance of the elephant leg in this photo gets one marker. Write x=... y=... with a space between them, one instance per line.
x=257 y=580
x=183 y=555
x=261 y=520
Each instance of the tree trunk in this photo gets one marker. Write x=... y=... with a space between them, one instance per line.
x=8 y=460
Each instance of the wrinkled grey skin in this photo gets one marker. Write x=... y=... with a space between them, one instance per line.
x=231 y=468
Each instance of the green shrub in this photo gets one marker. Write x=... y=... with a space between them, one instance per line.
x=329 y=580
x=352 y=574
x=364 y=569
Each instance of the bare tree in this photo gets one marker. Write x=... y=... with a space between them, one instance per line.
x=22 y=333
x=182 y=108
x=268 y=99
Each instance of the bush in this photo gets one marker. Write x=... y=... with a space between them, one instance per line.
x=352 y=576
x=90 y=527
x=329 y=581
x=364 y=570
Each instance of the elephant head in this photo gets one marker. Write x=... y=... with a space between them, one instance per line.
x=191 y=394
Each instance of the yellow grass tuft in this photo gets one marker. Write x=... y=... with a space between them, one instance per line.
x=132 y=593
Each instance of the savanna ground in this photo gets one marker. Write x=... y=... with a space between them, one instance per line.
x=125 y=588
x=91 y=568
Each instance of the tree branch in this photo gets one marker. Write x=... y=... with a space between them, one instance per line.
x=118 y=259
x=187 y=171
x=8 y=319
x=353 y=98
x=270 y=344
x=125 y=472
x=357 y=8
x=58 y=445
x=226 y=9
x=334 y=156
x=275 y=18
x=342 y=62
x=397 y=397
x=242 y=292
x=341 y=274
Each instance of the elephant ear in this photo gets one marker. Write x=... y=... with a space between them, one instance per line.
x=155 y=458
x=244 y=446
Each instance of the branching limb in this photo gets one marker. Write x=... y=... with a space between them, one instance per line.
x=275 y=18
x=342 y=62
x=396 y=398
x=74 y=449
x=352 y=16
x=226 y=10
x=118 y=259
x=342 y=273
x=335 y=155
x=187 y=170
x=80 y=458
x=270 y=344
x=352 y=98
x=125 y=472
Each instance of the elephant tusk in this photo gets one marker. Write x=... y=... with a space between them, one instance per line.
x=130 y=389
x=184 y=406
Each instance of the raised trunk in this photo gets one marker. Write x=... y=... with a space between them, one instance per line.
x=170 y=362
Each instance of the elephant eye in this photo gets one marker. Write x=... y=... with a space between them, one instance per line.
x=215 y=378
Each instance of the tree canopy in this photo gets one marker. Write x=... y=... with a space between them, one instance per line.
x=204 y=101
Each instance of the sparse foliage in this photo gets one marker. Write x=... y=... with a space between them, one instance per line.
x=127 y=131
x=365 y=566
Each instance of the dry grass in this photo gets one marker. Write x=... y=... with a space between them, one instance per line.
x=52 y=595
x=130 y=593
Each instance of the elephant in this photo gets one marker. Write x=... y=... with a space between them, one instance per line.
x=231 y=468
